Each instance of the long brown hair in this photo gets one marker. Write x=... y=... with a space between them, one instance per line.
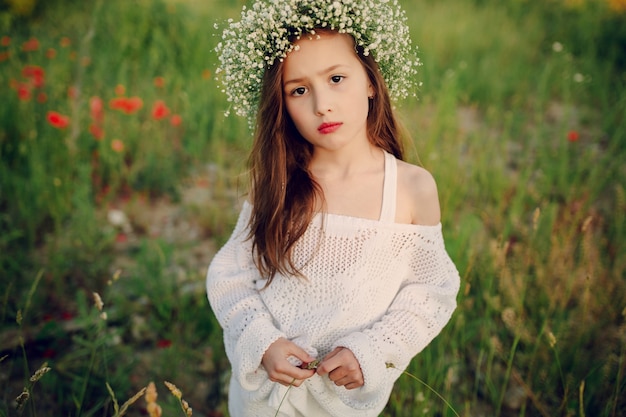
x=283 y=193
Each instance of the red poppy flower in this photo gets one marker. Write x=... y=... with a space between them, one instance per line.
x=42 y=98
x=164 y=343
x=176 y=120
x=49 y=353
x=65 y=42
x=23 y=91
x=58 y=120
x=126 y=104
x=117 y=145
x=51 y=53
x=96 y=108
x=96 y=131
x=34 y=73
x=30 y=45
x=66 y=315
x=159 y=82
x=5 y=41
x=120 y=90
x=71 y=92
x=5 y=56
x=573 y=136
x=160 y=110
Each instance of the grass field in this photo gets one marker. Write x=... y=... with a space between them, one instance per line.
x=120 y=176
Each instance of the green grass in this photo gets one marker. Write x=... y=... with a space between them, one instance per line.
x=520 y=119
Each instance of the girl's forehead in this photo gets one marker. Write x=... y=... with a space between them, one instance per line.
x=328 y=44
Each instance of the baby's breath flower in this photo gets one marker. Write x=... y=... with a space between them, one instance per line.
x=264 y=33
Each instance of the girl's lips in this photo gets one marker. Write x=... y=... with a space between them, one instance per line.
x=326 y=128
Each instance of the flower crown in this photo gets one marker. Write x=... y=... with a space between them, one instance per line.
x=263 y=35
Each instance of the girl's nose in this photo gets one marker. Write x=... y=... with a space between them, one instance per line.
x=322 y=104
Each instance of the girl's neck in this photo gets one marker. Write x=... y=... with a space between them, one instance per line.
x=329 y=165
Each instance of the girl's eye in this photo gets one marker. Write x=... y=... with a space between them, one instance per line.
x=336 y=79
x=298 y=91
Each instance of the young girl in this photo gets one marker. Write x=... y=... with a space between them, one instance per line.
x=336 y=274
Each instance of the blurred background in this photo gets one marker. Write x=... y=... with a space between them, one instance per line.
x=120 y=177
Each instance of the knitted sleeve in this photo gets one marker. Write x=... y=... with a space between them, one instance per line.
x=247 y=325
x=420 y=310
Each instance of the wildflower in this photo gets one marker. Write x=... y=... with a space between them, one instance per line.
x=35 y=74
x=72 y=93
x=65 y=42
x=96 y=131
x=66 y=315
x=51 y=53
x=572 y=136
x=98 y=301
x=5 y=41
x=49 y=353
x=176 y=120
x=117 y=145
x=310 y=365
x=30 y=45
x=42 y=97
x=551 y=339
x=120 y=90
x=21 y=399
x=116 y=275
x=96 y=109
x=4 y=56
x=174 y=390
x=23 y=91
x=58 y=120
x=557 y=47
x=185 y=406
x=154 y=410
x=159 y=82
x=536 y=215
x=43 y=369
x=160 y=110
x=206 y=74
x=164 y=343
x=126 y=105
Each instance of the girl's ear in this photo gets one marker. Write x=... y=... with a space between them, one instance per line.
x=370 y=91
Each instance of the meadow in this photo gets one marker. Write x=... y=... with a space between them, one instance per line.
x=120 y=177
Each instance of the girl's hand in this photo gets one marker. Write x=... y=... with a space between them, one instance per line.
x=280 y=369
x=342 y=368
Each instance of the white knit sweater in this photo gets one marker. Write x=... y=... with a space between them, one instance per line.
x=383 y=290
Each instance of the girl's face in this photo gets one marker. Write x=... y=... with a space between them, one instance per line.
x=327 y=90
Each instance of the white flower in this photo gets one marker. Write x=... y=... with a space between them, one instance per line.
x=263 y=34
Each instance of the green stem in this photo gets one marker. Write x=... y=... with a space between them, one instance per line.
x=391 y=365
x=284 y=396
x=507 y=375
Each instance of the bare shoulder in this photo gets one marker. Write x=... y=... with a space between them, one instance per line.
x=418 y=199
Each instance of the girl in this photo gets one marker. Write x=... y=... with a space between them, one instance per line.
x=336 y=274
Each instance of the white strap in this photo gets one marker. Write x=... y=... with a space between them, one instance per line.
x=390 y=185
